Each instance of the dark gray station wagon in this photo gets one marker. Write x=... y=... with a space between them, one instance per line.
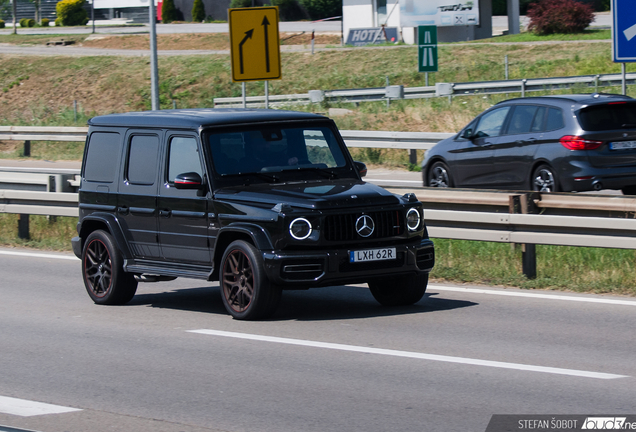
x=550 y=143
x=261 y=200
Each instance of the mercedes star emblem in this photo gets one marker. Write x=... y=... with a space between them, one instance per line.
x=365 y=226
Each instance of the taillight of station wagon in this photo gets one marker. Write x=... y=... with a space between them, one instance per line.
x=573 y=142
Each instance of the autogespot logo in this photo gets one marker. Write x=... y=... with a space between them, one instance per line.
x=365 y=226
x=604 y=423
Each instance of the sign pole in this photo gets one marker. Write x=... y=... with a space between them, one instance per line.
x=154 y=70
x=266 y=94
x=244 y=97
x=624 y=73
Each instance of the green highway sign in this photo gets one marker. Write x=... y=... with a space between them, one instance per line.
x=427 y=48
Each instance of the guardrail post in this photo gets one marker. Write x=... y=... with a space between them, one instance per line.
x=523 y=87
x=525 y=204
x=23 y=227
x=27 y=148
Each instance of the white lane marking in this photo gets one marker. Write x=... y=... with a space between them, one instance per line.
x=393 y=181
x=533 y=295
x=27 y=408
x=39 y=255
x=630 y=32
x=433 y=286
x=410 y=354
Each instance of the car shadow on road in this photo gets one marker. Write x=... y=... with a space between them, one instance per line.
x=339 y=302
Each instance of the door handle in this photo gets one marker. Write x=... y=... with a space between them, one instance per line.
x=123 y=210
x=165 y=213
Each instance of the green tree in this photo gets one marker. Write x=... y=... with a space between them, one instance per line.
x=168 y=12
x=319 y=9
x=198 y=11
x=71 y=12
x=290 y=10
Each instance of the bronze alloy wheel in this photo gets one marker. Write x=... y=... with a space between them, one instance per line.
x=102 y=266
x=238 y=280
x=98 y=271
x=246 y=291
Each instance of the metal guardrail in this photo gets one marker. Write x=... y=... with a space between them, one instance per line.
x=492 y=224
x=439 y=90
x=42 y=133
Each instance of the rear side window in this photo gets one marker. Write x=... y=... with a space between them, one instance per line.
x=523 y=119
x=608 y=116
x=142 y=159
x=102 y=157
x=555 y=119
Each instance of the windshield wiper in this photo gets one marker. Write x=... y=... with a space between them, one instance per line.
x=325 y=172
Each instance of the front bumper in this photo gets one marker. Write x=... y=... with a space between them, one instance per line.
x=326 y=268
x=76 y=243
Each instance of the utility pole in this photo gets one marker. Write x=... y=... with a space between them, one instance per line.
x=154 y=70
x=15 y=11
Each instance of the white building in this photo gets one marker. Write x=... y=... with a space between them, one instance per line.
x=456 y=20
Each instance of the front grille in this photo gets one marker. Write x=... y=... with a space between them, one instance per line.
x=342 y=227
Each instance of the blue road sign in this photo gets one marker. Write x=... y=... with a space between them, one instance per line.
x=624 y=31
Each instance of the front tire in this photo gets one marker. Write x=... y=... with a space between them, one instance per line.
x=439 y=176
x=246 y=292
x=102 y=267
x=544 y=179
x=401 y=291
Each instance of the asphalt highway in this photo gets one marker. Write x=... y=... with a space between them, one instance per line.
x=330 y=359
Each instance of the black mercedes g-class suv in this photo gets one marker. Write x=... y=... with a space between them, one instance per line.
x=260 y=200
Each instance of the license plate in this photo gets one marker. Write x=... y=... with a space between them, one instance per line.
x=622 y=145
x=372 y=255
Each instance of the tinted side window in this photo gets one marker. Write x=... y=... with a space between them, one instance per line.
x=102 y=157
x=539 y=117
x=142 y=159
x=522 y=119
x=608 y=117
x=183 y=158
x=492 y=123
x=555 y=119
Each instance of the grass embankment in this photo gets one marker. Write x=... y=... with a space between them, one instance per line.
x=41 y=91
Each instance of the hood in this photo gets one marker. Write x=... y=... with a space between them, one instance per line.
x=342 y=193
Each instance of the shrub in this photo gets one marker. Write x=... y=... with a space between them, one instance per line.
x=242 y=4
x=71 y=12
x=559 y=16
x=198 y=11
x=290 y=10
x=1 y=23
x=31 y=22
x=45 y=22
x=168 y=12
x=58 y=22
x=23 y=22
x=319 y=9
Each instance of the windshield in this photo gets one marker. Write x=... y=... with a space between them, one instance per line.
x=268 y=149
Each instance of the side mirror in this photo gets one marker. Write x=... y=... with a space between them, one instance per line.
x=361 y=167
x=467 y=134
x=190 y=180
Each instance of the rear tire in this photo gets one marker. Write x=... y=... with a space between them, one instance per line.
x=246 y=292
x=102 y=267
x=544 y=179
x=629 y=190
x=401 y=291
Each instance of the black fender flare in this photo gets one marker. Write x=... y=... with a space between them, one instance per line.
x=113 y=226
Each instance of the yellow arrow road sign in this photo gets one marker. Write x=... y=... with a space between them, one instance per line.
x=254 y=43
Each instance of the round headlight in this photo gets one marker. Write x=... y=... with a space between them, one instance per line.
x=300 y=228
x=413 y=219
